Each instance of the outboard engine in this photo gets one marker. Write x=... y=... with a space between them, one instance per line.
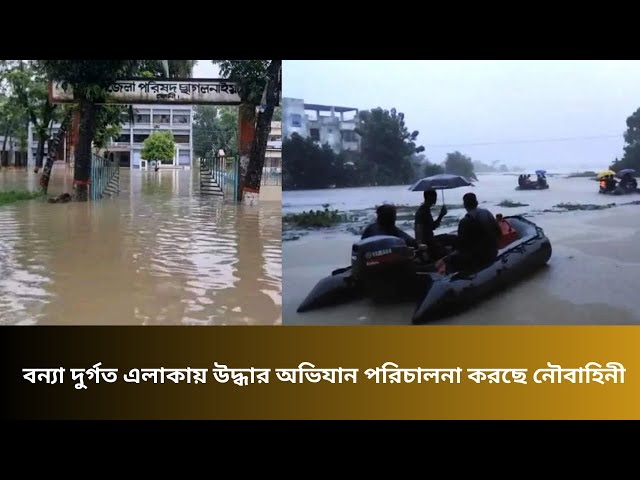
x=383 y=266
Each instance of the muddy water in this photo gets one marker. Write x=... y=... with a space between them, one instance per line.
x=159 y=253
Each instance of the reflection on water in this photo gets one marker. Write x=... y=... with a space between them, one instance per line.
x=157 y=254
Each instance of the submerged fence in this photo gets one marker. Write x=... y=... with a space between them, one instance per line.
x=219 y=176
x=105 y=177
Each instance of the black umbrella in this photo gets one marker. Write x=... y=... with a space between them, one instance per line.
x=443 y=181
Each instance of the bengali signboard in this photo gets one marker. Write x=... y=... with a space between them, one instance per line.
x=192 y=91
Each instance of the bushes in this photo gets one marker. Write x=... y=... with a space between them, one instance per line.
x=316 y=218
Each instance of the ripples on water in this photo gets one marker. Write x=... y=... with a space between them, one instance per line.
x=158 y=254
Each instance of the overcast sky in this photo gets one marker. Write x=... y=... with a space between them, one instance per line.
x=206 y=69
x=456 y=103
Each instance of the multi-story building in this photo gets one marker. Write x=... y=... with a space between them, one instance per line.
x=127 y=147
x=178 y=119
x=324 y=124
x=272 y=172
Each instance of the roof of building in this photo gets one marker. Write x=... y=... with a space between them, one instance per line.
x=327 y=108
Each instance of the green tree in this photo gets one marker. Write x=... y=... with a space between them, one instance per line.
x=387 y=146
x=631 y=157
x=89 y=80
x=277 y=114
x=177 y=68
x=13 y=123
x=27 y=83
x=259 y=83
x=108 y=124
x=430 y=169
x=307 y=166
x=215 y=128
x=159 y=146
x=459 y=164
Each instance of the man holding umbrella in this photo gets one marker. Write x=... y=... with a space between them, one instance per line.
x=425 y=224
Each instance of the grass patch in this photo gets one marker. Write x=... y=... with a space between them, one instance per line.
x=316 y=218
x=17 y=196
x=587 y=174
x=511 y=204
x=579 y=206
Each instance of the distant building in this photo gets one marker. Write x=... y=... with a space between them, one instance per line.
x=127 y=148
x=324 y=124
x=13 y=154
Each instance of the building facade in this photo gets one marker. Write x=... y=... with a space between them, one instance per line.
x=272 y=172
x=324 y=124
x=127 y=148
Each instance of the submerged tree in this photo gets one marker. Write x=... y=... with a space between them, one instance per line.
x=459 y=164
x=89 y=80
x=259 y=85
x=387 y=146
x=631 y=157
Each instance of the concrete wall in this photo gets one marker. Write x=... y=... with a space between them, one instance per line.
x=293 y=117
x=271 y=193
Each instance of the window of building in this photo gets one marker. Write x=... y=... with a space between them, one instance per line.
x=181 y=138
x=314 y=133
x=142 y=116
x=164 y=118
x=296 y=120
x=275 y=138
x=125 y=138
x=349 y=136
x=140 y=137
x=181 y=119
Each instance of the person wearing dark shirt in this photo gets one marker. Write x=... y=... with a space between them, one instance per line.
x=478 y=236
x=425 y=226
x=385 y=224
x=424 y=222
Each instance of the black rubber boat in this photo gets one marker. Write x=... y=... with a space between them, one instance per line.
x=385 y=270
x=532 y=187
x=619 y=191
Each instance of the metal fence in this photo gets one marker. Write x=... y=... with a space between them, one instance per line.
x=105 y=177
x=272 y=171
x=220 y=174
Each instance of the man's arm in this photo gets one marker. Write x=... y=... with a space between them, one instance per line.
x=410 y=241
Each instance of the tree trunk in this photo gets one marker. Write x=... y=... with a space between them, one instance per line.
x=4 y=147
x=246 y=136
x=53 y=152
x=251 y=188
x=82 y=166
x=42 y=138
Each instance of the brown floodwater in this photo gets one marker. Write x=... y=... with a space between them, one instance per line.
x=158 y=254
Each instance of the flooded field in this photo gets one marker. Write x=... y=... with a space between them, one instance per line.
x=159 y=253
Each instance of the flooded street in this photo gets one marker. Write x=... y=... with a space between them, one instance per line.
x=159 y=253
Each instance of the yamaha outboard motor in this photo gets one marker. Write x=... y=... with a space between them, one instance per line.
x=383 y=266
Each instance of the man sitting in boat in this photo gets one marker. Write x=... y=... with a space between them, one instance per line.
x=542 y=181
x=385 y=224
x=425 y=225
x=478 y=235
x=627 y=182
